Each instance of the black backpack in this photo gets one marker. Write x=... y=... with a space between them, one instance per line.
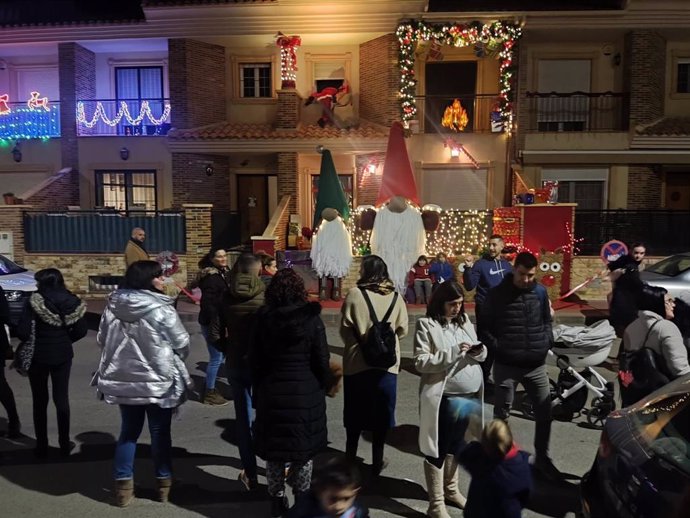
x=378 y=347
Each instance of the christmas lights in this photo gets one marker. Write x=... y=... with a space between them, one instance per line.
x=488 y=39
x=99 y=114
x=288 y=59
x=35 y=102
x=25 y=123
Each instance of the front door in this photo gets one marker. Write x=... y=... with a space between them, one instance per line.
x=678 y=191
x=252 y=203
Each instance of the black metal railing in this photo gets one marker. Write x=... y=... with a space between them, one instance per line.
x=481 y=111
x=577 y=111
x=128 y=117
x=102 y=231
x=664 y=232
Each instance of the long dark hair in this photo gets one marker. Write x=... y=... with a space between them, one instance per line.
x=285 y=289
x=447 y=291
x=207 y=260
x=140 y=275
x=49 y=279
x=652 y=298
x=681 y=316
x=374 y=270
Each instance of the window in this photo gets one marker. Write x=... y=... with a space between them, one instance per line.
x=586 y=187
x=683 y=76
x=134 y=85
x=255 y=80
x=126 y=190
x=563 y=112
x=445 y=82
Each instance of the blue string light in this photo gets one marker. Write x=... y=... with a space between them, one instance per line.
x=25 y=123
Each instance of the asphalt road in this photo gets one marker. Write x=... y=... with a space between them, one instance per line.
x=207 y=462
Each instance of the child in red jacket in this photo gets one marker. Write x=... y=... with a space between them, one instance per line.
x=421 y=280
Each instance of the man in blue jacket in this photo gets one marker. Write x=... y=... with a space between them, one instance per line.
x=517 y=317
x=488 y=272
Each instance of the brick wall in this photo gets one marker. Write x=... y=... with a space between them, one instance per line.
x=77 y=67
x=192 y=185
x=288 y=109
x=287 y=179
x=77 y=268
x=11 y=220
x=521 y=115
x=644 y=188
x=368 y=185
x=57 y=194
x=645 y=63
x=196 y=73
x=198 y=229
x=379 y=79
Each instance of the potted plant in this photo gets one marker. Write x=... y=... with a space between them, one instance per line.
x=9 y=198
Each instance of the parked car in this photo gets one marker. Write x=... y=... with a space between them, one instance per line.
x=672 y=273
x=642 y=467
x=18 y=284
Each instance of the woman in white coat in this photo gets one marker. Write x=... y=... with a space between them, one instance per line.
x=446 y=354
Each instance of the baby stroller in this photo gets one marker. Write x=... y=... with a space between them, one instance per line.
x=580 y=347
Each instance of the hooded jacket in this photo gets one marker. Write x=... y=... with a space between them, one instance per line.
x=244 y=296
x=143 y=345
x=485 y=274
x=289 y=358
x=499 y=488
x=60 y=321
x=518 y=324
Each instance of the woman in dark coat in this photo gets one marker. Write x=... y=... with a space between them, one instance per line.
x=6 y=394
x=289 y=357
x=53 y=319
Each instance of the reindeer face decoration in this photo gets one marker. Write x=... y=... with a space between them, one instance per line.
x=550 y=272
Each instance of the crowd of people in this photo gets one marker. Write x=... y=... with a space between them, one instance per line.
x=259 y=322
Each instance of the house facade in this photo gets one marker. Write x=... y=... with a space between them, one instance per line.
x=188 y=101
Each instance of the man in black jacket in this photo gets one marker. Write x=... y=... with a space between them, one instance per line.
x=517 y=314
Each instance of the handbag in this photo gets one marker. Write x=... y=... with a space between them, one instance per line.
x=25 y=352
x=642 y=372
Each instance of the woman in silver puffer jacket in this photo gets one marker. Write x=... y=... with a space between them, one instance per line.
x=142 y=370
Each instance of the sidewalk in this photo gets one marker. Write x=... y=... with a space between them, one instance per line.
x=569 y=313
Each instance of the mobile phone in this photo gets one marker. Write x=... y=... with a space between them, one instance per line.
x=474 y=348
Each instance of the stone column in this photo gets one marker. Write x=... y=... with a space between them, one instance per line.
x=198 y=234
x=12 y=220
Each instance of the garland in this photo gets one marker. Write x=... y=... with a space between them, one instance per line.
x=493 y=38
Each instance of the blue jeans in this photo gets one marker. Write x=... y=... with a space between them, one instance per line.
x=241 y=385
x=215 y=359
x=161 y=444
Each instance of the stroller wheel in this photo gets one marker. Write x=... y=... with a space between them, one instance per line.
x=601 y=408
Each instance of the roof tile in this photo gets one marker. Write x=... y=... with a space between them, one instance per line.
x=667 y=126
x=240 y=131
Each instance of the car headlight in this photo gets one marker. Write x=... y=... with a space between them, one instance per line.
x=13 y=296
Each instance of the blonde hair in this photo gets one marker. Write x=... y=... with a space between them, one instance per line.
x=497 y=439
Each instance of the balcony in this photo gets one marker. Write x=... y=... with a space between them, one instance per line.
x=123 y=117
x=576 y=112
x=481 y=112
x=37 y=118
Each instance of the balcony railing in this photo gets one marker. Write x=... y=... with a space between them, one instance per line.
x=127 y=117
x=577 y=111
x=481 y=111
x=658 y=229
x=22 y=121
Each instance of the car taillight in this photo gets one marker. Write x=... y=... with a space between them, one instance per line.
x=605 y=446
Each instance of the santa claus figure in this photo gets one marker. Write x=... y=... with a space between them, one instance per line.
x=331 y=253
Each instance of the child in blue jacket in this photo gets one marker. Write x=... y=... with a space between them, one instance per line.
x=501 y=475
x=441 y=270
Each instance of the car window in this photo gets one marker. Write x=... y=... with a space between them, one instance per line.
x=665 y=426
x=7 y=267
x=670 y=266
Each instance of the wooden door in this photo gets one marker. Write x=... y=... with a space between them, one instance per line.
x=252 y=203
x=677 y=191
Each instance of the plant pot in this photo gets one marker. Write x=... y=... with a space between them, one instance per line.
x=10 y=200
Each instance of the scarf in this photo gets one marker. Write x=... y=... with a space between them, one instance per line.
x=382 y=288
x=138 y=243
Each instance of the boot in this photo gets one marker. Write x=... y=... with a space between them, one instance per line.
x=213 y=398
x=163 y=485
x=451 y=492
x=434 y=487
x=336 y=290
x=323 y=285
x=124 y=492
x=279 y=506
